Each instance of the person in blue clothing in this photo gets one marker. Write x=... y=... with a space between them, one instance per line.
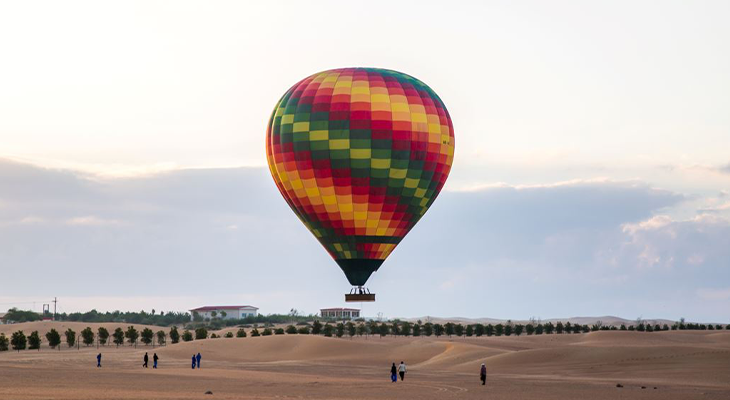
x=98 y=361
x=393 y=373
x=193 y=361
x=198 y=359
x=154 y=361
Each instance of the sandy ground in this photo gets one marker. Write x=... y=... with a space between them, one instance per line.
x=681 y=365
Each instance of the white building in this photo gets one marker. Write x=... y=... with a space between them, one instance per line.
x=340 y=313
x=225 y=312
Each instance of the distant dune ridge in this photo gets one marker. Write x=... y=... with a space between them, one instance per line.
x=605 y=320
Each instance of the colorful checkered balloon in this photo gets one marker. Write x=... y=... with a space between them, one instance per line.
x=360 y=154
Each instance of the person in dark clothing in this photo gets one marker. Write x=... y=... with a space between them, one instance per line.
x=193 y=361
x=98 y=361
x=154 y=360
x=483 y=374
x=393 y=373
x=198 y=359
x=146 y=360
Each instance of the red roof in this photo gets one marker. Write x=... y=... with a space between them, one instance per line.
x=340 y=309
x=214 y=308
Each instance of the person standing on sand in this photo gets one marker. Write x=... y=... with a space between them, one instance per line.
x=402 y=370
x=393 y=374
x=198 y=357
x=146 y=360
x=98 y=361
x=154 y=360
x=193 y=361
x=483 y=374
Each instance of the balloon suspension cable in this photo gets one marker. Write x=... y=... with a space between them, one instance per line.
x=359 y=294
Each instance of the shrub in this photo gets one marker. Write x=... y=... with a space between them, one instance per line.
x=241 y=332
x=340 y=330
x=53 y=337
x=132 y=335
x=147 y=336
x=213 y=336
x=103 y=335
x=161 y=338
x=201 y=333
x=291 y=329
x=174 y=335
x=34 y=341
x=327 y=330
x=316 y=328
x=279 y=331
x=187 y=336
x=3 y=342
x=87 y=336
x=266 y=332
x=229 y=334
x=70 y=337
x=18 y=340
x=303 y=330
x=255 y=332
x=118 y=337
x=351 y=329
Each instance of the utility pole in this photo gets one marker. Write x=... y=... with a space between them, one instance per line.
x=55 y=300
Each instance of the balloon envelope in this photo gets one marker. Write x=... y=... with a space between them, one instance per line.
x=360 y=154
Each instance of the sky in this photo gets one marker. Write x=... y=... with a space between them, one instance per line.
x=591 y=175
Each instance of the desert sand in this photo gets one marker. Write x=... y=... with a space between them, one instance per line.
x=680 y=364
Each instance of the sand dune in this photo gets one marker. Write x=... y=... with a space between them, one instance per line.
x=682 y=365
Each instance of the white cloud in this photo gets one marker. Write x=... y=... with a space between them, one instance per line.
x=91 y=220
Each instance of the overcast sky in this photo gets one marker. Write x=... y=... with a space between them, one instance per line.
x=591 y=176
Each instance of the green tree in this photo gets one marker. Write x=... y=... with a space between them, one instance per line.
x=15 y=315
x=87 y=336
x=241 y=332
x=340 y=330
x=539 y=329
x=103 y=335
x=118 y=336
x=147 y=336
x=549 y=328
x=559 y=327
x=519 y=328
x=438 y=329
x=499 y=330
x=489 y=330
x=161 y=338
x=469 y=330
x=479 y=330
x=428 y=329
x=213 y=313
x=327 y=330
x=291 y=329
x=416 y=330
x=201 y=333
x=459 y=330
x=18 y=341
x=568 y=327
x=3 y=342
x=316 y=327
x=34 y=341
x=449 y=328
x=508 y=328
x=70 y=337
x=132 y=335
x=174 y=335
x=351 y=329
x=384 y=329
x=529 y=329
x=406 y=328
x=187 y=336
x=53 y=337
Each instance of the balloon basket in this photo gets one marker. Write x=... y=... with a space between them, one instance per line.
x=359 y=294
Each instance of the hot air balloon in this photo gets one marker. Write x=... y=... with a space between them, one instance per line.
x=360 y=154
